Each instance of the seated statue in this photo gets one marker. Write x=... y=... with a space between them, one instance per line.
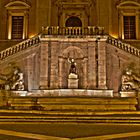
x=17 y=81
x=12 y=80
x=130 y=81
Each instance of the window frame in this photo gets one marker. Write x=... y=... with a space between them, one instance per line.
x=128 y=8
x=18 y=8
x=129 y=33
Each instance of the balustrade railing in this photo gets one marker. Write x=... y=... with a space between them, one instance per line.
x=56 y=30
x=126 y=47
x=68 y=31
x=19 y=47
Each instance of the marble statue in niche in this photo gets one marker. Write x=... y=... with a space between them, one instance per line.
x=73 y=76
x=73 y=68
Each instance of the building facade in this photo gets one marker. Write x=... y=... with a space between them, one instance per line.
x=25 y=18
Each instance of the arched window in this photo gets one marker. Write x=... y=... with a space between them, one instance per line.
x=73 y=22
x=17 y=19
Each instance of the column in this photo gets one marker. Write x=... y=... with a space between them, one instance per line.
x=9 y=25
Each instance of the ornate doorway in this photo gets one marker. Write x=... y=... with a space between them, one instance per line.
x=73 y=22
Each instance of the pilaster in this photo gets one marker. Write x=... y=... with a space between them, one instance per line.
x=30 y=72
x=60 y=67
x=85 y=71
x=91 y=66
x=102 y=65
x=44 y=79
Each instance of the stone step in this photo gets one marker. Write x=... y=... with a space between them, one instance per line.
x=14 y=117
x=72 y=103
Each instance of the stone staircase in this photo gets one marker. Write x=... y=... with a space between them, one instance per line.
x=69 y=109
x=69 y=31
x=70 y=104
x=17 y=116
x=19 y=47
x=79 y=109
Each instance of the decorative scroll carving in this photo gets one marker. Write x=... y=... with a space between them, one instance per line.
x=13 y=80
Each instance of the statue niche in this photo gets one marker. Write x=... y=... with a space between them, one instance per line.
x=72 y=65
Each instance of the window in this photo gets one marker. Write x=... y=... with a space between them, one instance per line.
x=129 y=27
x=73 y=22
x=17 y=27
x=17 y=19
x=128 y=18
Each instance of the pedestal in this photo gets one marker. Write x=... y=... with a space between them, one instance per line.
x=128 y=93
x=73 y=81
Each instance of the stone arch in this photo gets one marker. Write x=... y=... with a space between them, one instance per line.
x=131 y=4
x=73 y=21
x=73 y=51
x=17 y=5
x=64 y=66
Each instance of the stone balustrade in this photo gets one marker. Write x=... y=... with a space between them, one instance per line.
x=68 y=31
x=19 y=47
x=56 y=30
x=126 y=47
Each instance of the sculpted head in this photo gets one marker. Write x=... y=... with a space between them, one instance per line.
x=128 y=71
x=72 y=60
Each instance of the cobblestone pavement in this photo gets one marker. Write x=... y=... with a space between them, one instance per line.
x=68 y=131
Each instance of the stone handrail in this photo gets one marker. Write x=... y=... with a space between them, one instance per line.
x=19 y=47
x=124 y=46
x=56 y=30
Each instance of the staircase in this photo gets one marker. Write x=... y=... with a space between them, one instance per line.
x=19 y=47
x=72 y=104
x=68 y=31
x=69 y=110
x=123 y=46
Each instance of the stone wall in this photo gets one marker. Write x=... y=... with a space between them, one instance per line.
x=45 y=64
x=117 y=62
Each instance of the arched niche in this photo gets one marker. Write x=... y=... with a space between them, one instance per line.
x=73 y=21
x=64 y=66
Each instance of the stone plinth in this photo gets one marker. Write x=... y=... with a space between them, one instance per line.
x=71 y=92
x=73 y=81
x=128 y=93
x=19 y=93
